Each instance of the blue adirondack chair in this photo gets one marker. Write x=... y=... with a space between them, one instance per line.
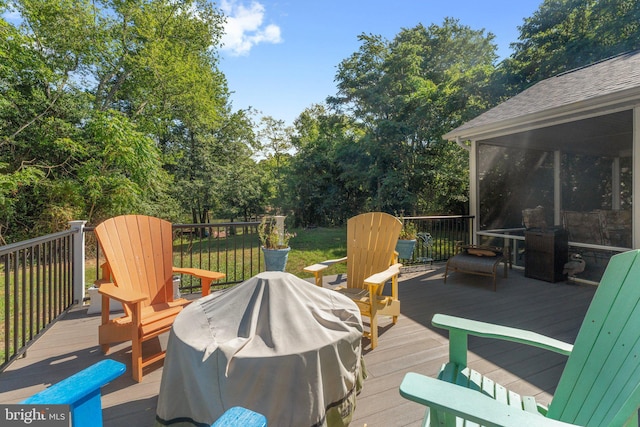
x=238 y=416
x=81 y=392
x=600 y=385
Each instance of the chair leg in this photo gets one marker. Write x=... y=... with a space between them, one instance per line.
x=105 y=320
x=105 y=348
x=206 y=286
x=373 y=315
x=318 y=278
x=136 y=359
x=374 y=331
x=136 y=343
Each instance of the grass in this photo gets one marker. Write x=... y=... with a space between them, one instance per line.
x=314 y=245
x=310 y=246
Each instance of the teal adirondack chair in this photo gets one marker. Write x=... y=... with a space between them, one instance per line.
x=600 y=385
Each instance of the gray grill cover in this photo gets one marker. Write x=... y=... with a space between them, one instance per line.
x=275 y=344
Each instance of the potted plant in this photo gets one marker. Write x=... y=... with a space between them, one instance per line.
x=406 y=239
x=274 y=240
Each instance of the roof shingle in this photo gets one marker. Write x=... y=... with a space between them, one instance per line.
x=616 y=74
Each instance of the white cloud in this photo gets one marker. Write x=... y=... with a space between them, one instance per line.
x=245 y=29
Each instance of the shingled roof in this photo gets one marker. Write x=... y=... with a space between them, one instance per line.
x=611 y=84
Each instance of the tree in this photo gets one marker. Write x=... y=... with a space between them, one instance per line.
x=275 y=147
x=407 y=93
x=159 y=67
x=96 y=97
x=237 y=178
x=39 y=133
x=566 y=34
x=163 y=74
x=121 y=170
x=328 y=169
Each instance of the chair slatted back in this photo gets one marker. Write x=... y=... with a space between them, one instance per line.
x=371 y=242
x=139 y=252
x=600 y=385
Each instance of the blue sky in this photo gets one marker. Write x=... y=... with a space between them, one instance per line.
x=280 y=56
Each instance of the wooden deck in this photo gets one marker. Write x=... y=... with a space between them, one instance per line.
x=555 y=309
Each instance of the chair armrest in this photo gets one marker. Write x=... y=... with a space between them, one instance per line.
x=382 y=277
x=238 y=416
x=323 y=265
x=199 y=272
x=81 y=391
x=119 y=294
x=205 y=276
x=318 y=269
x=469 y=404
x=77 y=386
x=460 y=328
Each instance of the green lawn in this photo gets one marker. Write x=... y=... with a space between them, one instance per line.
x=311 y=246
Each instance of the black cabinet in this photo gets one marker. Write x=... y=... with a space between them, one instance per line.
x=546 y=251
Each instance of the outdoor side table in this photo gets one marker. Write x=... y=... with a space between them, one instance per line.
x=275 y=344
x=545 y=254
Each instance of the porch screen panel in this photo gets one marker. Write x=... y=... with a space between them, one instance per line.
x=587 y=182
x=511 y=180
x=596 y=199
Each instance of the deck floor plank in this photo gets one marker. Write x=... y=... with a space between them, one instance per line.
x=413 y=344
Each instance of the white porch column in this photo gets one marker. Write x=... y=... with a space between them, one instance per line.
x=78 y=260
x=635 y=222
x=474 y=208
x=557 y=188
x=615 y=184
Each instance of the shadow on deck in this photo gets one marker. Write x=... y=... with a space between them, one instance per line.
x=554 y=309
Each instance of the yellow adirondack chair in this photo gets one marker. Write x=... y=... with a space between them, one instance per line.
x=600 y=384
x=371 y=262
x=139 y=273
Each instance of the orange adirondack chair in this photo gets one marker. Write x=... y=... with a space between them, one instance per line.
x=371 y=262
x=139 y=273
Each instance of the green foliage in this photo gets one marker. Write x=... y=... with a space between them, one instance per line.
x=566 y=34
x=328 y=169
x=122 y=170
x=406 y=93
x=275 y=145
x=409 y=231
x=98 y=99
x=271 y=236
x=113 y=106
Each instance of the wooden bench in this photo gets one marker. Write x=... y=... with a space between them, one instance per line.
x=480 y=260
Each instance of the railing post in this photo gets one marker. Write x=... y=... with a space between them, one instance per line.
x=78 y=260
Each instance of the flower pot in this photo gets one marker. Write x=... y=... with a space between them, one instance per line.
x=275 y=259
x=405 y=248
